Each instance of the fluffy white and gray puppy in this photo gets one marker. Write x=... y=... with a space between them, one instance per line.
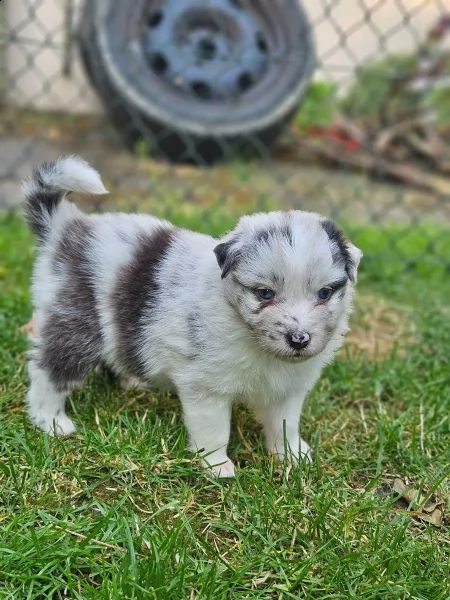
x=251 y=317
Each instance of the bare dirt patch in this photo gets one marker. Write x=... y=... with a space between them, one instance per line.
x=380 y=328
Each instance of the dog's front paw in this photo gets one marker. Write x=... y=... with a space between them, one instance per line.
x=304 y=452
x=225 y=469
x=58 y=425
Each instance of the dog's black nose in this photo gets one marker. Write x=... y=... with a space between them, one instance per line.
x=298 y=339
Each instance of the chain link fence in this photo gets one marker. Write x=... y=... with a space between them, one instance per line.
x=201 y=110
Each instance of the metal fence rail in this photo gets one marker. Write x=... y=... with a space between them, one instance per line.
x=232 y=106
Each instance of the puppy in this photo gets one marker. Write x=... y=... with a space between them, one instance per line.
x=251 y=317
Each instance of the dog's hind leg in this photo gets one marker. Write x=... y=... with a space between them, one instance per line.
x=46 y=402
x=68 y=349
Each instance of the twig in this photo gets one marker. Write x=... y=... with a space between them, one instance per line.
x=369 y=163
x=421 y=421
x=85 y=537
x=363 y=416
x=386 y=136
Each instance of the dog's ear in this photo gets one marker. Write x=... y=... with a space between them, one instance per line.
x=342 y=250
x=355 y=257
x=227 y=255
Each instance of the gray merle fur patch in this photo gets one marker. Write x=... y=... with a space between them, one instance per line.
x=136 y=291
x=71 y=339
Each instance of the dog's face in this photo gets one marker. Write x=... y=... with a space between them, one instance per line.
x=290 y=277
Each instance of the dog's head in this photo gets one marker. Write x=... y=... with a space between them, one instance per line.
x=290 y=278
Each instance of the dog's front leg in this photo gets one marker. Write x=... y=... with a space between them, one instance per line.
x=207 y=419
x=280 y=421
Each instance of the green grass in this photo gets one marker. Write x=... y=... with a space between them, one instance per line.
x=120 y=510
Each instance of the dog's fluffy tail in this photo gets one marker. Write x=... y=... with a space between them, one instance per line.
x=50 y=183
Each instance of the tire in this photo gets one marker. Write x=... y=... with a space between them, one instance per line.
x=198 y=79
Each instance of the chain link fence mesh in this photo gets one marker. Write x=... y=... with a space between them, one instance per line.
x=202 y=110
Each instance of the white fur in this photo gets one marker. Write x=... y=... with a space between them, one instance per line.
x=240 y=354
x=71 y=173
x=46 y=404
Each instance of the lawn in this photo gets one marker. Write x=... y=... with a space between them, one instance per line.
x=120 y=510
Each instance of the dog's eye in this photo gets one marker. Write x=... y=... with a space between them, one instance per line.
x=325 y=293
x=265 y=294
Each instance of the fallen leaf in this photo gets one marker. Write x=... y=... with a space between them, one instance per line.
x=432 y=506
x=407 y=492
x=435 y=518
x=429 y=512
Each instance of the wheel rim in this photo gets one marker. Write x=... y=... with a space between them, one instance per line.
x=119 y=31
x=211 y=51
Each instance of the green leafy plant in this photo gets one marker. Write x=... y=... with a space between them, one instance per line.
x=318 y=105
x=367 y=98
